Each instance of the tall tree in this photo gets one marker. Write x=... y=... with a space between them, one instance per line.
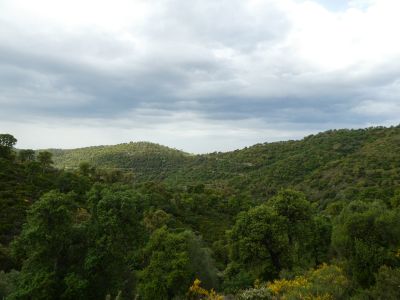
x=45 y=158
x=167 y=270
x=259 y=242
x=115 y=236
x=7 y=142
x=273 y=236
x=45 y=248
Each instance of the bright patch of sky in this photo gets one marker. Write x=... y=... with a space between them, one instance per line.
x=335 y=5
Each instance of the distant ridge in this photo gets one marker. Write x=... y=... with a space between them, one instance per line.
x=332 y=165
x=144 y=158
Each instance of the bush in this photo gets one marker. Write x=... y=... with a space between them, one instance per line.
x=7 y=283
x=387 y=284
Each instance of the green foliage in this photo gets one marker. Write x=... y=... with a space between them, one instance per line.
x=8 y=282
x=331 y=166
x=273 y=236
x=387 y=284
x=237 y=278
x=148 y=161
x=260 y=242
x=26 y=155
x=172 y=260
x=156 y=219
x=24 y=181
x=45 y=158
x=69 y=252
x=395 y=200
x=44 y=246
x=202 y=265
x=7 y=142
x=114 y=235
x=143 y=221
x=167 y=266
x=321 y=239
x=367 y=235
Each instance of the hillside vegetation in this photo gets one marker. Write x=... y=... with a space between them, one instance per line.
x=317 y=218
x=333 y=165
x=147 y=160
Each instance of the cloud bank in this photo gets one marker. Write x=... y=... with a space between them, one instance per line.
x=196 y=75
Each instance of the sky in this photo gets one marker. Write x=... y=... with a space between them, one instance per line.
x=199 y=75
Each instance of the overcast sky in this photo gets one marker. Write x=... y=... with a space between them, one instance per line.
x=198 y=75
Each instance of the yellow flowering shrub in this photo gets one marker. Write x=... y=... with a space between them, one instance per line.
x=324 y=283
x=282 y=285
x=398 y=253
x=197 y=292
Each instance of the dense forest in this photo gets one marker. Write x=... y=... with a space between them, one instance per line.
x=317 y=218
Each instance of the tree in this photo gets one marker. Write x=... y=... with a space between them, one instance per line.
x=387 y=284
x=273 y=236
x=8 y=282
x=259 y=242
x=297 y=211
x=115 y=236
x=366 y=236
x=45 y=158
x=7 y=142
x=26 y=155
x=86 y=169
x=321 y=239
x=69 y=252
x=46 y=248
x=167 y=266
x=172 y=260
x=154 y=219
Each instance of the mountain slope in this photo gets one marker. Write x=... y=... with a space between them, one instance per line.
x=333 y=165
x=146 y=160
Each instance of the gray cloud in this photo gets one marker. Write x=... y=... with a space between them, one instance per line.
x=206 y=70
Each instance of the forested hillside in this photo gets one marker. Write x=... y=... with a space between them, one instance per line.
x=330 y=166
x=317 y=218
x=147 y=160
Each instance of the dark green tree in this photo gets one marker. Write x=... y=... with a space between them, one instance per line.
x=7 y=142
x=115 y=236
x=366 y=236
x=297 y=211
x=167 y=270
x=26 y=155
x=8 y=282
x=273 y=236
x=46 y=249
x=259 y=242
x=86 y=169
x=321 y=239
x=387 y=284
x=45 y=159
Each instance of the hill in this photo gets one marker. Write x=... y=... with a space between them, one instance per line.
x=146 y=160
x=333 y=165
x=317 y=217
